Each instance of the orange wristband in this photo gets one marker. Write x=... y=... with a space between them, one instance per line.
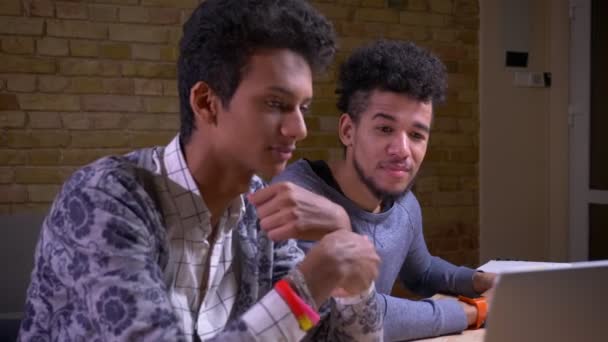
x=482 y=309
x=304 y=314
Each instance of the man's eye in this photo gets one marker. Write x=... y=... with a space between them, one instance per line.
x=385 y=129
x=305 y=109
x=417 y=136
x=274 y=104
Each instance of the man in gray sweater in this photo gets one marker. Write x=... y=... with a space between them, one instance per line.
x=387 y=91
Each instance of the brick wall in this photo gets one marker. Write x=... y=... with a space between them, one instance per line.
x=83 y=79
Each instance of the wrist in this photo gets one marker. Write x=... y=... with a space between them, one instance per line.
x=343 y=220
x=476 y=310
x=319 y=283
x=297 y=281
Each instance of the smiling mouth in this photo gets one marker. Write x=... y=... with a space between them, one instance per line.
x=282 y=153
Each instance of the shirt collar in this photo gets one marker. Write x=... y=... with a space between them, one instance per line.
x=184 y=190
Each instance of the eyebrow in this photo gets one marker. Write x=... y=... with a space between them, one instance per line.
x=389 y=117
x=285 y=92
x=384 y=116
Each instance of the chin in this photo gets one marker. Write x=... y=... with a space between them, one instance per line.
x=270 y=171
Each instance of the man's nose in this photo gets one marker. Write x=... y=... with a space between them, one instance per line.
x=400 y=146
x=294 y=125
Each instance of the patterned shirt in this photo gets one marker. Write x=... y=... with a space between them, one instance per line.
x=203 y=286
x=107 y=266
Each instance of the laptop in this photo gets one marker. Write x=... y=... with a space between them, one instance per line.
x=557 y=304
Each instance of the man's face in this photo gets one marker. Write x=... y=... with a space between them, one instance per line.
x=388 y=143
x=259 y=128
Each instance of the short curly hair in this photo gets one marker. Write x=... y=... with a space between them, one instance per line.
x=221 y=35
x=396 y=66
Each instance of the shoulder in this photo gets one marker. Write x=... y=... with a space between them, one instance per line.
x=410 y=207
x=109 y=192
x=301 y=174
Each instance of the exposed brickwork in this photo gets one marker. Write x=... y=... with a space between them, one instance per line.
x=83 y=79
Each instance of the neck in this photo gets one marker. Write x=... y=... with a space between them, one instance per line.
x=219 y=181
x=353 y=188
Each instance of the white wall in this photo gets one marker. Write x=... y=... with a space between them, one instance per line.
x=523 y=134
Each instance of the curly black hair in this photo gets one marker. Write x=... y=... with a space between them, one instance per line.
x=396 y=66
x=221 y=35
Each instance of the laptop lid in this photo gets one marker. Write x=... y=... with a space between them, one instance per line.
x=567 y=304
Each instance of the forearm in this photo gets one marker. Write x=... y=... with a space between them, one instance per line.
x=355 y=320
x=361 y=318
x=444 y=277
x=408 y=320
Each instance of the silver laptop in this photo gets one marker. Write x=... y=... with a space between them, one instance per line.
x=568 y=304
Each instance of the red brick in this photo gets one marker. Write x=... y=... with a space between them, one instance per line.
x=156 y=70
x=21 y=25
x=78 y=157
x=169 y=53
x=10 y=7
x=171 y=3
x=86 y=85
x=42 y=193
x=97 y=139
x=76 y=29
x=21 y=82
x=118 y=86
x=133 y=14
x=377 y=15
x=170 y=88
x=441 y=6
x=103 y=13
x=44 y=120
x=148 y=87
x=84 y=48
x=115 y=51
x=7 y=175
x=40 y=175
x=111 y=103
x=40 y=8
x=39 y=138
x=43 y=102
x=44 y=157
x=71 y=10
x=82 y=67
x=146 y=51
x=161 y=104
x=12 y=119
x=11 y=157
x=52 y=84
x=13 y=193
x=94 y=120
x=164 y=15
x=333 y=11
x=20 y=64
x=52 y=46
x=422 y=19
x=146 y=139
x=138 y=121
x=138 y=33
x=9 y=102
x=117 y=2
x=18 y=45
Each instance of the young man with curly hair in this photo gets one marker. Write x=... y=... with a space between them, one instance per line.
x=164 y=244
x=387 y=91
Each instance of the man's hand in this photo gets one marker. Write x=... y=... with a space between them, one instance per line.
x=341 y=260
x=287 y=211
x=483 y=281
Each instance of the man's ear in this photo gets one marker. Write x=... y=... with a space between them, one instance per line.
x=204 y=103
x=346 y=129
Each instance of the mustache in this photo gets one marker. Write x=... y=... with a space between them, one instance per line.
x=402 y=164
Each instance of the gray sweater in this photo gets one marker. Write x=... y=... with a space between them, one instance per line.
x=397 y=235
